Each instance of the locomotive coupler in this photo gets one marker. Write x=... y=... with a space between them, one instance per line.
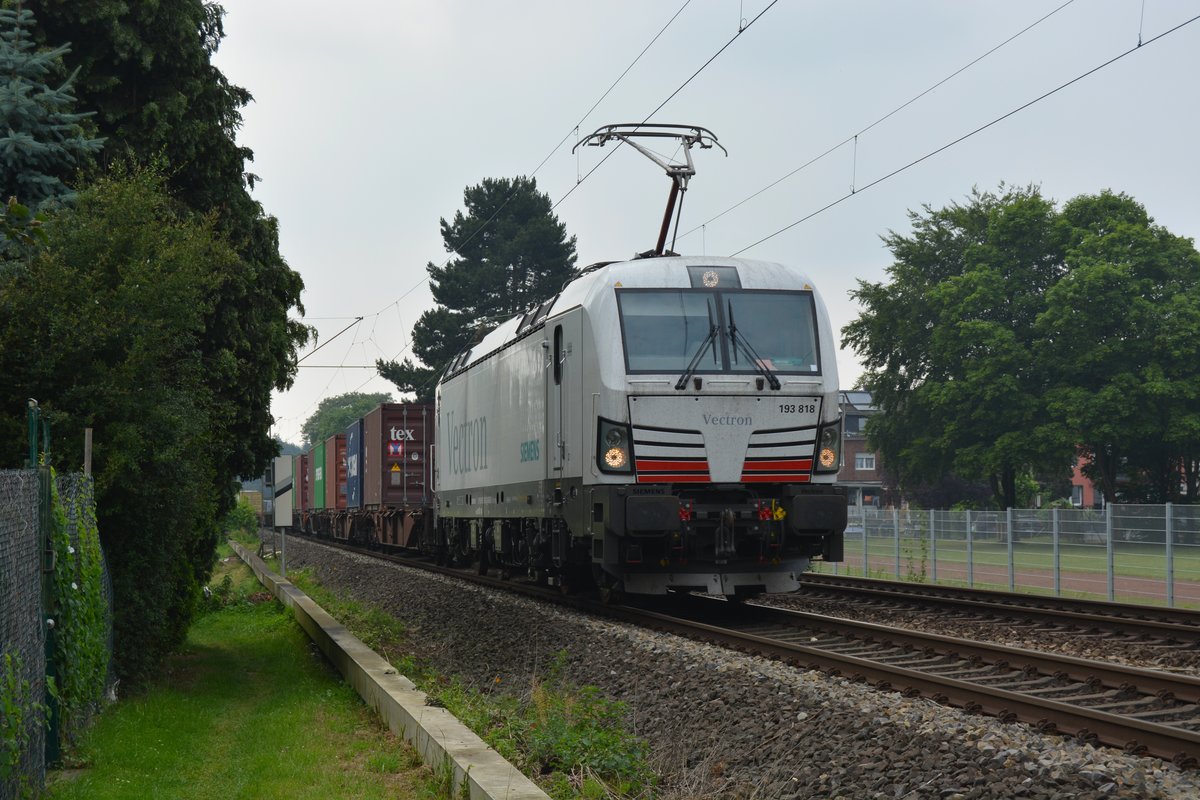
x=726 y=536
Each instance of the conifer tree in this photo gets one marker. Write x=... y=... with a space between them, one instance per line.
x=42 y=140
x=510 y=253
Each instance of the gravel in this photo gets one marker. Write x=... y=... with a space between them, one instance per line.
x=727 y=725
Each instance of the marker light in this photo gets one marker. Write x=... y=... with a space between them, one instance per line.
x=828 y=457
x=615 y=458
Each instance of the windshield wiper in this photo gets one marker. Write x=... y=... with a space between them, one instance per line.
x=759 y=364
x=710 y=339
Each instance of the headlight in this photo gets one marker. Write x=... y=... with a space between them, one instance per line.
x=613 y=452
x=829 y=447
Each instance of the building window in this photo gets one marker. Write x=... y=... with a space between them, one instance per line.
x=864 y=461
x=1077 y=496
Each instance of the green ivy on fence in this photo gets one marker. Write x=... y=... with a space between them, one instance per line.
x=82 y=653
x=19 y=711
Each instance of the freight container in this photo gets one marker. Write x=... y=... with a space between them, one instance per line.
x=335 y=471
x=300 y=482
x=396 y=460
x=316 y=475
x=305 y=484
x=354 y=461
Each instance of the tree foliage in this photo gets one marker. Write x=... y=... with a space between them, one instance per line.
x=334 y=414
x=1010 y=334
x=1121 y=336
x=510 y=253
x=947 y=343
x=147 y=71
x=157 y=311
x=107 y=328
x=42 y=140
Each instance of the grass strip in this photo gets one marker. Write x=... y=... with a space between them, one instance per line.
x=247 y=708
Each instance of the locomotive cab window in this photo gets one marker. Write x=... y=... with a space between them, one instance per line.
x=780 y=327
x=663 y=330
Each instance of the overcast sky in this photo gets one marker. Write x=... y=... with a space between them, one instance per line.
x=371 y=118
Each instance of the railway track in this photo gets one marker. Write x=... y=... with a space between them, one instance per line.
x=1142 y=711
x=1151 y=626
x=1139 y=710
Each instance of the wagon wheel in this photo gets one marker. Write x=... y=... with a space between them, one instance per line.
x=460 y=554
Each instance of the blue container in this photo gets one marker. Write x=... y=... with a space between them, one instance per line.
x=354 y=465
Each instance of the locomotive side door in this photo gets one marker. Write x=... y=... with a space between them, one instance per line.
x=564 y=447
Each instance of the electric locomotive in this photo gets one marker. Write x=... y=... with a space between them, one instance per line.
x=663 y=424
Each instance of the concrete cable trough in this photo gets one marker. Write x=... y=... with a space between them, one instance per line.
x=433 y=731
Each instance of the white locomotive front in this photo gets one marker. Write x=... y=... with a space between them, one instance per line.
x=663 y=424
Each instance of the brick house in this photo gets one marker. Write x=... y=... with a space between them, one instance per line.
x=861 y=475
x=1084 y=494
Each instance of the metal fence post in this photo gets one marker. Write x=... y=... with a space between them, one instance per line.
x=866 y=554
x=896 y=533
x=1012 y=573
x=1057 y=554
x=1170 y=530
x=33 y=413
x=1108 y=528
x=932 y=550
x=970 y=553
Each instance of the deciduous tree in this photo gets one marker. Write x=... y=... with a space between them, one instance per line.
x=1012 y=336
x=147 y=71
x=106 y=328
x=334 y=414
x=1121 y=336
x=947 y=342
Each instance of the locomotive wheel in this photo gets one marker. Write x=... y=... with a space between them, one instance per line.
x=608 y=588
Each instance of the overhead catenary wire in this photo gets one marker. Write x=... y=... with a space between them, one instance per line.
x=573 y=130
x=670 y=97
x=854 y=136
x=966 y=136
x=356 y=321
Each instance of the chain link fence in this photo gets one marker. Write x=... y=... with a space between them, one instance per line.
x=23 y=668
x=22 y=643
x=1125 y=553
